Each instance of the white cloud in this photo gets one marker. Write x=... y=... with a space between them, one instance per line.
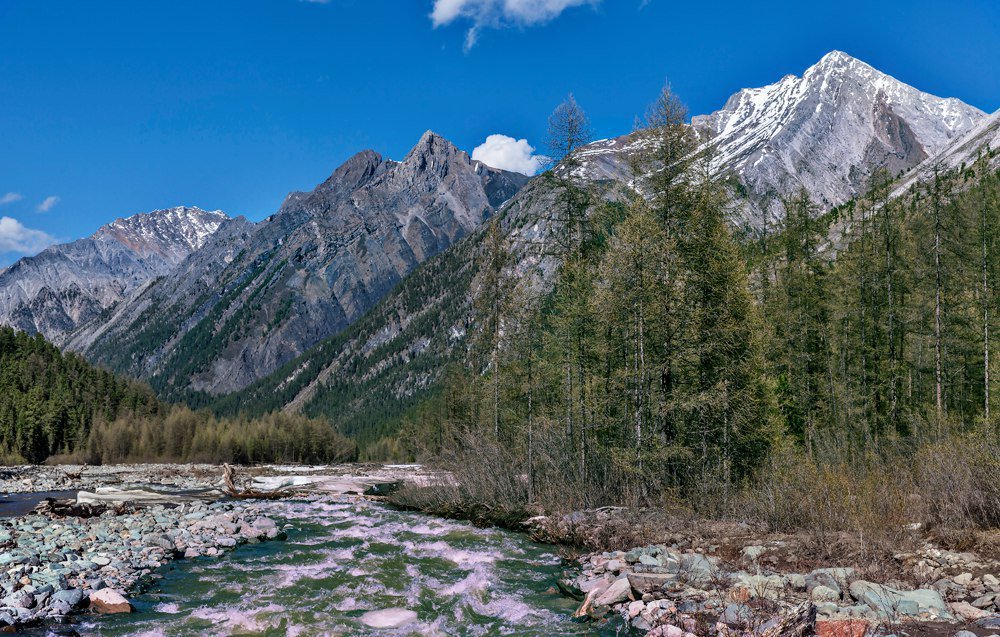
x=15 y=237
x=499 y=13
x=48 y=204
x=507 y=153
x=11 y=197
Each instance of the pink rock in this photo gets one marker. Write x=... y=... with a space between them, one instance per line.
x=108 y=600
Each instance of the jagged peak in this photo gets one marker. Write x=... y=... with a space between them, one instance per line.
x=431 y=143
x=358 y=168
x=837 y=57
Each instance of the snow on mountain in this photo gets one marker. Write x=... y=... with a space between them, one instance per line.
x=983 y=138
x=66 y=285
x=829 y=131
x=171 y=233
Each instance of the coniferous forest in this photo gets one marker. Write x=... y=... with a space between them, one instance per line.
x=844 y=357
x=57 y=406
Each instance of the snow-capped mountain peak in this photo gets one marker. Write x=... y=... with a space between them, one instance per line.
x=171 y=233
x=64 y=286
x=829 y=131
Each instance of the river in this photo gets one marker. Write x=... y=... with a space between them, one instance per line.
x=355 y=567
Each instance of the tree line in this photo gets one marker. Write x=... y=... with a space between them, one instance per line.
x=57 y=406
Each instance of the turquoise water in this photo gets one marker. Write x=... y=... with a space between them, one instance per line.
x=345 y=559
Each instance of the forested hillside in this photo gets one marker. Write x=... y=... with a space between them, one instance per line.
x=55 y=404
x=843 y=351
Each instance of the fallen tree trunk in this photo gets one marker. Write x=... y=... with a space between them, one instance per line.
x=247 y=493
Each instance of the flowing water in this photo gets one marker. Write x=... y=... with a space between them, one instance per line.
x=354 y=567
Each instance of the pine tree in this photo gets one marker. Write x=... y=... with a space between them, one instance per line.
x=800 y=316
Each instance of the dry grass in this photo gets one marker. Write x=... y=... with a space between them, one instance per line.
x=842 y=510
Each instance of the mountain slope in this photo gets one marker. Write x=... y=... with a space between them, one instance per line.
x=65 y=286
x=828 y=131
x=365 y=378
x=259 y=296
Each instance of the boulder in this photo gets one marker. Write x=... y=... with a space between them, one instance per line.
x=667 y=630
x=822 y=593
x=73 y=597
x=619 y=591
x=696 y=567
x=833 y=578
x=736 y=615
x=841 y=628
x=963 y=580
x=751 y=553
x=989 y=623
x=650 y=582
x=890 y=603
x=967 y=611
x=108 y=600
x=986 y=600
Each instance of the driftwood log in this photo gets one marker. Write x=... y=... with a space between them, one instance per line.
x=54 y=507
x=247 y=493
x=75 y=475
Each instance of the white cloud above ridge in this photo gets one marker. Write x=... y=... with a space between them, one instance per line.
x=10 y=197
x=48 y=203
x=16 y=237
x=507 y=153
x=500 y=13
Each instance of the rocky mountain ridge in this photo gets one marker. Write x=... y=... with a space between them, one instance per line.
x=344 y=293
x=828 y=131
x=66 y=286
x=400 y=349
x=254 y=297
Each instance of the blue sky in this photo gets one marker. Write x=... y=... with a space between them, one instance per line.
x=113 y=108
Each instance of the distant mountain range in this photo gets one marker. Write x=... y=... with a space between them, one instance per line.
x=255 y=296
x=66 y=286
x=352 y=297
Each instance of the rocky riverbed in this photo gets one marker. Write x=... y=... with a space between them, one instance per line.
x=56 y=562
x=53 y=566
x=672 y=592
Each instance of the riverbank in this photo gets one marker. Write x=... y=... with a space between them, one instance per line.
x=668 y=575
x=676 y=575
x=58 y=562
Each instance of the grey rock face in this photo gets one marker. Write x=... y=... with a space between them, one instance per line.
x=983 y=139
x=828 y=131
x=65 y=286
x=250 y=301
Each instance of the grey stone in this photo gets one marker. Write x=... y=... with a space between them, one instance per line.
x=73 y=597
x=753 y=552
x=736 y=615
x=890 y=603
x=822 y=593
x=696 y=567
